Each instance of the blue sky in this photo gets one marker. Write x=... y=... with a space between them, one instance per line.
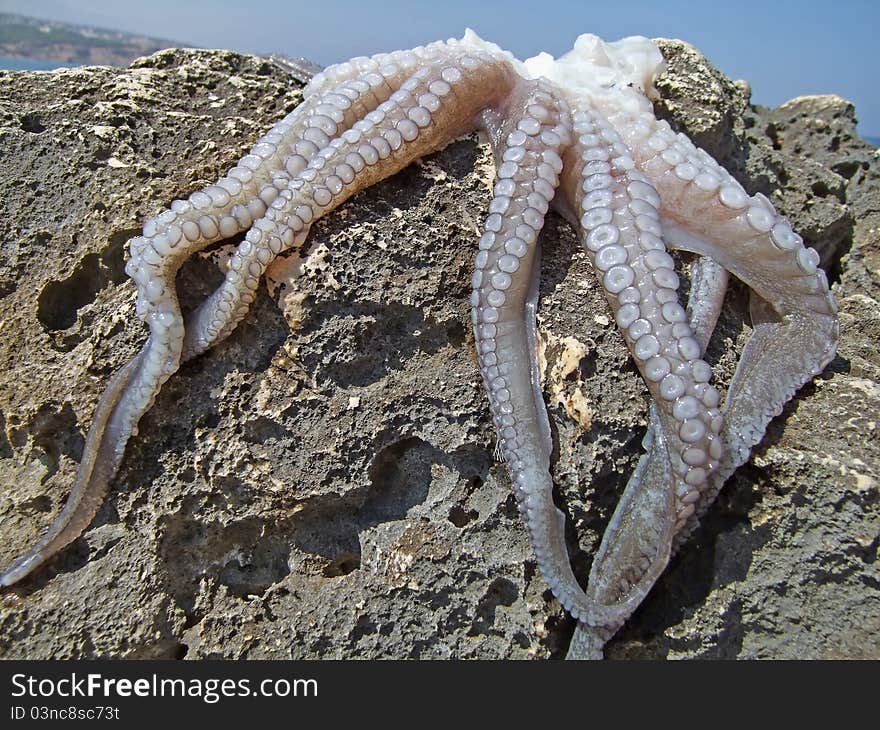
x=784 y=49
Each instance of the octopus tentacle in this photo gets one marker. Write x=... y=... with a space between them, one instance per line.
x=638 y=549
x=708 y=212
x=413 y=121
x=167 y=240
x=621 y=232
x=240 y=197
x=344 y=112
x=708 y=285
x=101 y=458
x=527 y=150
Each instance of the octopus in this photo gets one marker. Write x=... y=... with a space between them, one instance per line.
x=577 y=134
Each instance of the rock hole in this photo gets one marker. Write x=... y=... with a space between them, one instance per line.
x=210 y=420
x=254 y=571
x=261 y=429
x=400 y=475
x=31 y=123
x=162 y=649
x=42 y=503
x=455 y=333
x=820 y=189
x=460 y=517
x=773 y=133
x=342 y=564
x=113 y=255
x=329 y=529
x=329 y=537
x=59 y=301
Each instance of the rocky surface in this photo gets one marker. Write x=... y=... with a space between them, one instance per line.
x=322 y=484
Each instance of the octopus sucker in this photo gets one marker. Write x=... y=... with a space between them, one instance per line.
x=576 y=135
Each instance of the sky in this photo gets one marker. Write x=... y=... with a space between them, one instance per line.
x=783 y=48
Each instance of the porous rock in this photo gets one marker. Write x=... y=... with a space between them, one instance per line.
x=322 y=484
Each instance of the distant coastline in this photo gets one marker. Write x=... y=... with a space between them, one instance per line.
x=26 y=40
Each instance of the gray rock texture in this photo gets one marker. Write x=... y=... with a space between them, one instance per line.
x=322 y=483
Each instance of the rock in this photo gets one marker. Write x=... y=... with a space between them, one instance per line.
x=322 y=484
x=696 y=94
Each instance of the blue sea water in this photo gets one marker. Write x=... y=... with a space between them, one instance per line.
x=10 y=63
x=872 y=140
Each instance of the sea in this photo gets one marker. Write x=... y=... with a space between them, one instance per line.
x=10 y=63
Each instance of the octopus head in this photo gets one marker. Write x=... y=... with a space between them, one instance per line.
x=631 y=62
x=621 y=72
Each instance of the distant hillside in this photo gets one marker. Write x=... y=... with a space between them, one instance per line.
x=25 y=37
